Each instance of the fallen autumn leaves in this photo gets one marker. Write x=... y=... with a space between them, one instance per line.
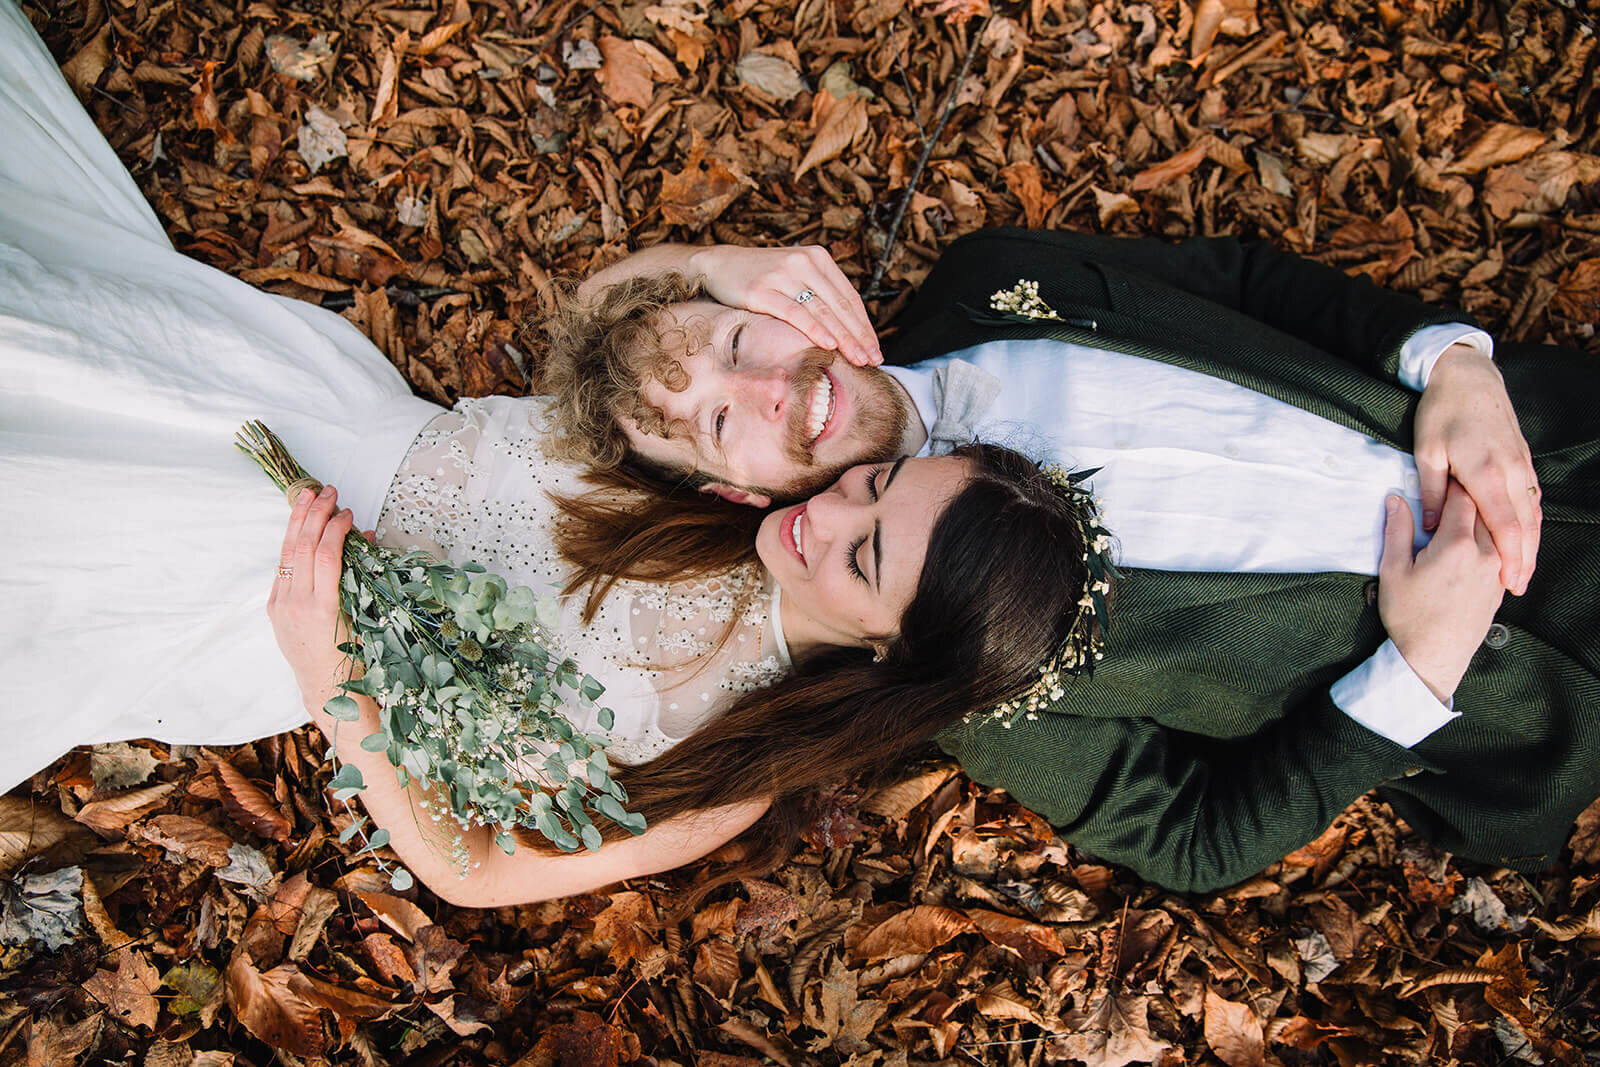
x=430 y=168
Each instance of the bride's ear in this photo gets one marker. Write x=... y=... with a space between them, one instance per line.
x=735 y=495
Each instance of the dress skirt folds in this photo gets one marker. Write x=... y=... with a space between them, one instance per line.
x=137 y=546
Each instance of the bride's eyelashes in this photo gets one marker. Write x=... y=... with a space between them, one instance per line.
x=851 y=561
x=852 y=555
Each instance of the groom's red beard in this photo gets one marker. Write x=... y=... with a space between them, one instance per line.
x=879 y=416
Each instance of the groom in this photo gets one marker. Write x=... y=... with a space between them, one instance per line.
x=1251 y=411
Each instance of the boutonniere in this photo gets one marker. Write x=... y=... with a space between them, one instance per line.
x=1023 y=301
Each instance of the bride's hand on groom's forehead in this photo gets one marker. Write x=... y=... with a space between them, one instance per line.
x=803 y=286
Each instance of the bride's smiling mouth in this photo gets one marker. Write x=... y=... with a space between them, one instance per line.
x=820 y=409
x=790 y=532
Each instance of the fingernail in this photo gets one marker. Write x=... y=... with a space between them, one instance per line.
x=1392 y=505
x=327 y=491
x=305 y=494
x=1430 y=519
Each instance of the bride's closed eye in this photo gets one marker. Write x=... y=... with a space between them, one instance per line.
x=853 y=552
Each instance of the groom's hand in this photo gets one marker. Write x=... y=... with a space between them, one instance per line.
x=768 y=280
x=1466 y=431
x=1438 y=604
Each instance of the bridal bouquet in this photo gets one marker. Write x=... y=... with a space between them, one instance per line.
x=470 y=700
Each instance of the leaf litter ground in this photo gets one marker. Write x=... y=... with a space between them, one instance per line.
x=429 y=169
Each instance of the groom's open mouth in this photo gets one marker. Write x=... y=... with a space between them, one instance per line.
x=820 y=408
x=790 y=532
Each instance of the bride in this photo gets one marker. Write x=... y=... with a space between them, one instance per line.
x=140 y=546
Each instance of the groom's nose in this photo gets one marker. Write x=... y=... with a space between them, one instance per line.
x=764 y=391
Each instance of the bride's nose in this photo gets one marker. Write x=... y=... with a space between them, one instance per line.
x=832 y=510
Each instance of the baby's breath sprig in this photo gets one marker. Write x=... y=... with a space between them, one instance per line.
x=1023 y=300
x=470 y=699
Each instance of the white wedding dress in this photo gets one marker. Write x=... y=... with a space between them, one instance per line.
x=137 y=546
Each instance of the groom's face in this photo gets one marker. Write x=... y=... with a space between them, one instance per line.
x=747 y=400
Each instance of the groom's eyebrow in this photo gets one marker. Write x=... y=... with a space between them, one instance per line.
x=877 y=528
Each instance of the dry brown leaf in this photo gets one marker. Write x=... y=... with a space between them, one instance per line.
x=438 y=36
x=27 y=828
x=266 y=1005
x=389 y=959
x=129 y=992
x=186 y=838
x=718 y=917
x=1024 y=182
x=1113 y=1031
x=585 y=1039
x=320 y=905
x=207 y=113
x=1511 y=993
x=1234 y=1032
x=702 y=190
x=625 y=75
x=1500 y=143
x=245 y=803
x=1002 y=1002
x=835 y=126
x=898 y=800
x=1578 y=297
x=716 y=967
x=459 y=1024
x=1108 y=205
x=1035 y=943
x=773 y=75
x=1232 y=18
x=1175 y=167
x=83 y=70
x=112 y=815
x=386 y=100
x=397 y=913
x=919 y=929
x=626 y=927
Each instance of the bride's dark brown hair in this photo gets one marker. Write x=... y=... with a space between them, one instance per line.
x=997 y=596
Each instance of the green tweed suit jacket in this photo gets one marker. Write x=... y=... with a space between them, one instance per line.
x=1206 y=746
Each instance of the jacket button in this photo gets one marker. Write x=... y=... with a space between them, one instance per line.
x=1498 y=636
x=1370 y=591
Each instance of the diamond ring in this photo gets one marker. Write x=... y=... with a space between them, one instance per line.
x=285 y=572
x=805 y=295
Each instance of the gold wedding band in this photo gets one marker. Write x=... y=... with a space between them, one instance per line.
x=1533 y=490
x=285 y=572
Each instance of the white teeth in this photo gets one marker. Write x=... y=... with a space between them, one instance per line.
x=794 y=531
x=821 y=409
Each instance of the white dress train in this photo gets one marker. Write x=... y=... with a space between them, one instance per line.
x=137 y=546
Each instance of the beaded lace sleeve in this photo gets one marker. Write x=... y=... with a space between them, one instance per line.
x=477 y=485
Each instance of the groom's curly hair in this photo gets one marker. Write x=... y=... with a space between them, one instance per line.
x=598 y=355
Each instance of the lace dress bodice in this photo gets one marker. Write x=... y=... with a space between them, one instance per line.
x=477 y=485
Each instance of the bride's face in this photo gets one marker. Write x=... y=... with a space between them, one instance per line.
x=849 y=559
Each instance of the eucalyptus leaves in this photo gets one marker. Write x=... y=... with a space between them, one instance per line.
x=470 y=700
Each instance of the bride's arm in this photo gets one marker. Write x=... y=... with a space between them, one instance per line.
x=305 y=617
x=765 y=280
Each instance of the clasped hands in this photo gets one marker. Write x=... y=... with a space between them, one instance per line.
x=1476 y=475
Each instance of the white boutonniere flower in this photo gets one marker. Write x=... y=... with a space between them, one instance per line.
x=1022 y=299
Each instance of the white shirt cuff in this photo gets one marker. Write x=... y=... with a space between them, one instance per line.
x=1423 y=349
x=1385 y=695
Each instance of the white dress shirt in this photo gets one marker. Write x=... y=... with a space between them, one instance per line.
x=1200 y=474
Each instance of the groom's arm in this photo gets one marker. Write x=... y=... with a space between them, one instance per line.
x=1187 y=812
x=768 y=281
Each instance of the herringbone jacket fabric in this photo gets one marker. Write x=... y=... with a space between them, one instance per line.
x=1206 y=746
